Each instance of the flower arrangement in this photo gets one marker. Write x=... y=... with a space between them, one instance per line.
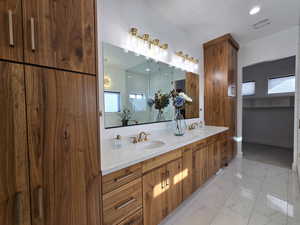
x=161 y=100
x=125 y=115
x=179 y=101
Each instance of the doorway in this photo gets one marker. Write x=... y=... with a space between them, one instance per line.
x=268 y=91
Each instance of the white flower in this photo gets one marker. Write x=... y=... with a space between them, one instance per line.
x=185 y=97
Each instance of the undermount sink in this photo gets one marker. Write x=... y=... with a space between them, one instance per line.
x=152 y=144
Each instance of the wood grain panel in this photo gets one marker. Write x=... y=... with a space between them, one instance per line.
x=62 y=135
x=200 y=158
x=64 y=34
x=11 y=33
x=114 y=180
x=192 y=90
x=173 y=184
x=161 y=160
x=154 y=196
x=120 y=203
x=187 y=172
x=135 y=219
x=14 y=189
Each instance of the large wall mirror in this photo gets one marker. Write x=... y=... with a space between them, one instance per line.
x=131 y=83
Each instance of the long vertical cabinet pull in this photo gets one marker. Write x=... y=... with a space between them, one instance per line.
x=162 y=180
x=11 y=29
x=39 y=203
x=18 y=208
x=167 y=178
x=32 y=31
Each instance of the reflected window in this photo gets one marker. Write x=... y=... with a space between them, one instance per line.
x=138 y=102
x=112 y=101
x=281 y=85
x=248 y=88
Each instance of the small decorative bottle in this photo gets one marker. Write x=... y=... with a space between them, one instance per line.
x=118 y=141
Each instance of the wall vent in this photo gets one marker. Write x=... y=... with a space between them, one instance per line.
x=262 y=23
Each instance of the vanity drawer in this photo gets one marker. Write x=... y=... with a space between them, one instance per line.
x=115 y=180
x=120 y=203
x=161 y=160
x=200 y=144
x=135 y=219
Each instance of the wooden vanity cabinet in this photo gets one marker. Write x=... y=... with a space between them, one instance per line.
x=162 y=191
x=65 y=173
x=11 y=41
x=60 y=34
x=187 y=172
x=14 y=182
x=220 y=70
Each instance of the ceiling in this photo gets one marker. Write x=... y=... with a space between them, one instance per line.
x=203 y=20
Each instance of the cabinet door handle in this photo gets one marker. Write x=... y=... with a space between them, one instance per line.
x=18 y=208
x=32 y=29
x=10 y=28
x=39 y=203
x=167 y=177
x=119 y=179
x=126 y=203
x=162 y=180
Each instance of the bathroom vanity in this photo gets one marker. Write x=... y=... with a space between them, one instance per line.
x=144 y=182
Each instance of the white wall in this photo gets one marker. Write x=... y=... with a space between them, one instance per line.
x=115 y=18
x=279 y=45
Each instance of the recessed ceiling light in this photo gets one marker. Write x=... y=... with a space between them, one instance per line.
x=148 y=70
x=254 y=10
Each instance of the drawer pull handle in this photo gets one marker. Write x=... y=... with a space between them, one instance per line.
x=126 y=203
x=39 y=203
x=131 y=222
x=32 y=29
x=11 y=29
x=18 y=208
x=126 y=176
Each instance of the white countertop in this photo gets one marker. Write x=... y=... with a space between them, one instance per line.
x=113 y=159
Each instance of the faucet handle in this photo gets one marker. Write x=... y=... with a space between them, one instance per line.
x=134 y=139
x=146 y=136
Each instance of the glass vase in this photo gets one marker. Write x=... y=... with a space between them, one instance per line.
x=179 y=122
x=160 y=116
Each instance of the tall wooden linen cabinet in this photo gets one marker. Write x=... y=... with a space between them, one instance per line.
x=220 y=71
x=49 y=136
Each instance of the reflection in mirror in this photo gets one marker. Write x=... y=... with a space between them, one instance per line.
x=133 y=85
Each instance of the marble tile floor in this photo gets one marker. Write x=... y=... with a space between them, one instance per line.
x=245 y=193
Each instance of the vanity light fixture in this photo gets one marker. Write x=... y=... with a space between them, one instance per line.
x=185 y=62
x=144 y=45
x=254 y=10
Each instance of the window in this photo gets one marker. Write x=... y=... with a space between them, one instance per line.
x=281 y=85
x=112 y=101
x=248 y=88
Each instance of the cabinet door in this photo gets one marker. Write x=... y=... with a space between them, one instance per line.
x=14 y=190
x=60 y=34
x=200 y=158
x=62 y=135
x=173 y=184
x=187 y=173
x=11 y=41
x=210 y=160
x=154 y=196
